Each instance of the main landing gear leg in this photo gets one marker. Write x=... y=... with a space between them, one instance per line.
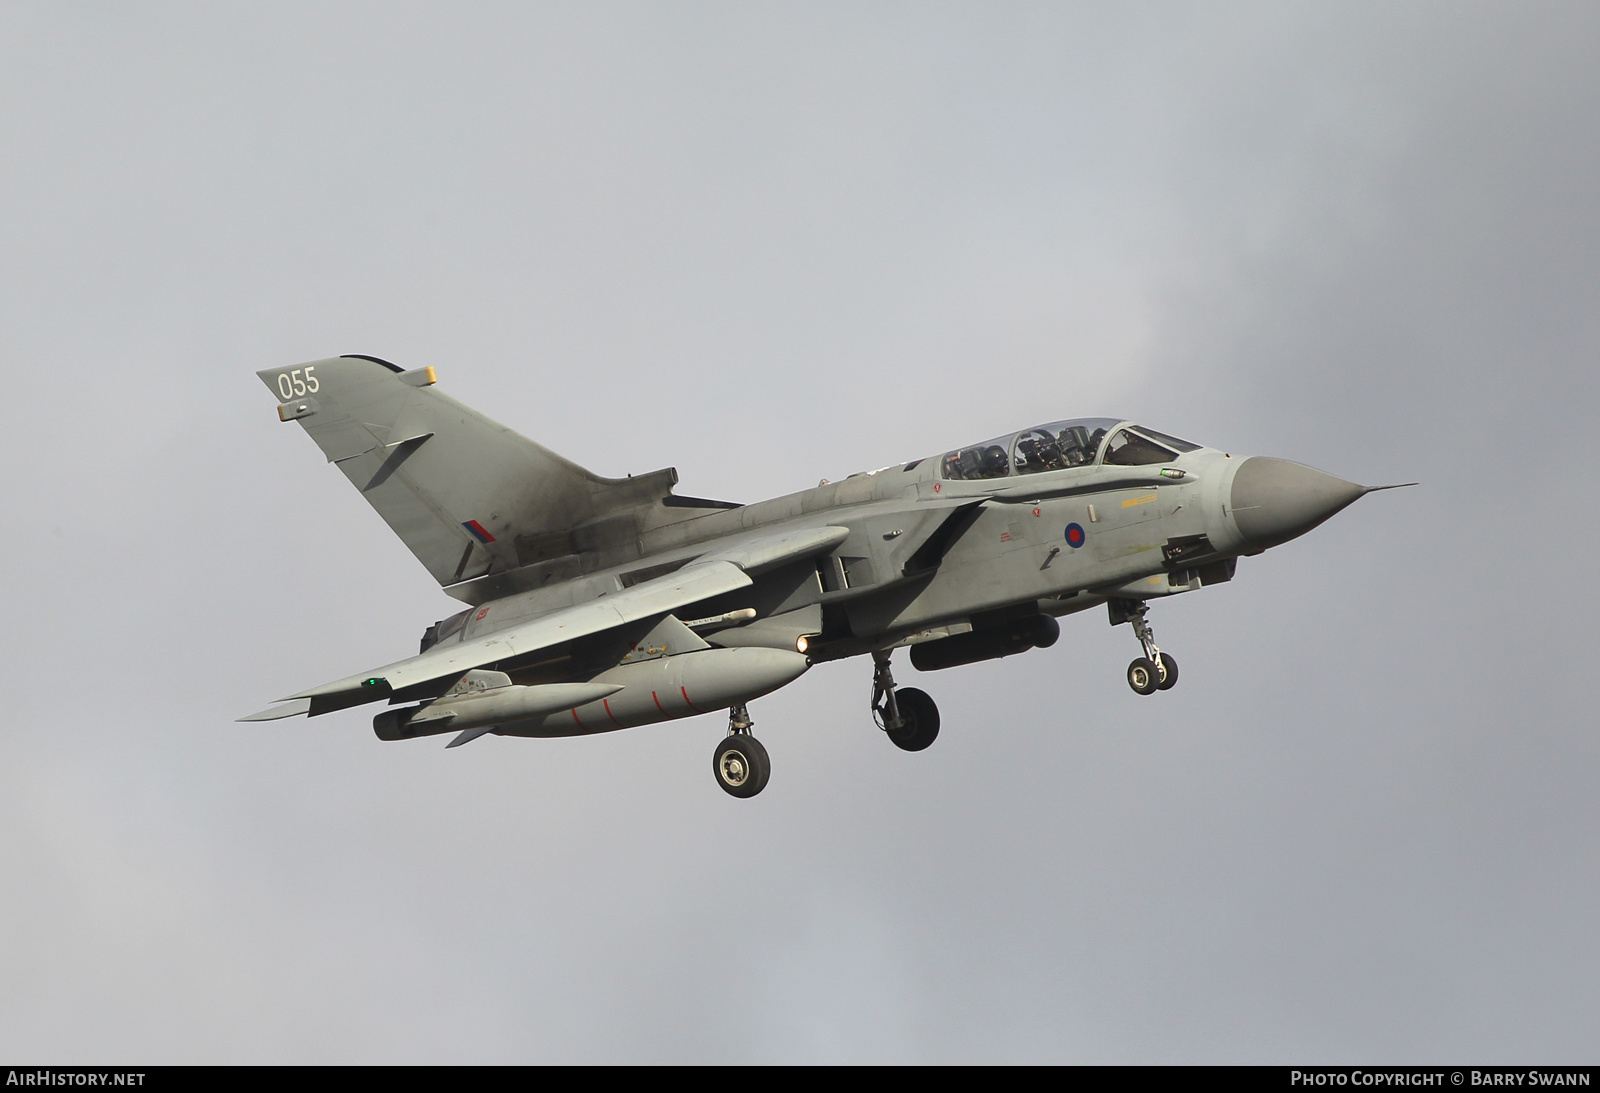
x=907 y=715
x=1155 y=671
x=740 y=762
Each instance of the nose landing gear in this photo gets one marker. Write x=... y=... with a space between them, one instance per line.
x=740 y=762
x=1144 y=677
x=1155 y=671
x=907 y=715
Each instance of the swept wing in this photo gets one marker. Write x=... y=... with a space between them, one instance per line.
x=726 y=570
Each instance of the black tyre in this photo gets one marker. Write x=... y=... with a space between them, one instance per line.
x=741 y=765
x=1169 y=672
x=1144 y=677
x=919 y=720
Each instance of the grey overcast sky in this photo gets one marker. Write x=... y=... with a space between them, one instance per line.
x=769 y=244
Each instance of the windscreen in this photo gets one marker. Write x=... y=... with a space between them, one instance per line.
x=1129 y=449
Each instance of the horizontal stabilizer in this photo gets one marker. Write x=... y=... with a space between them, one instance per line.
x=470 y=735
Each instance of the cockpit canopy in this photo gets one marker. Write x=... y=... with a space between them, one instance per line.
x=1080 y=442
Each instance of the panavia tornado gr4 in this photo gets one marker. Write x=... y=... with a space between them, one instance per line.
x=597 y=604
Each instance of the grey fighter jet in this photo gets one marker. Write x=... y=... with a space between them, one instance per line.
x=597 y=604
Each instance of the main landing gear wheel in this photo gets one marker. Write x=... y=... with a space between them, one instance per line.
x=1144 y=677
x=906 y=715
x=740 y=762
x=741 y=765
x=919 y=720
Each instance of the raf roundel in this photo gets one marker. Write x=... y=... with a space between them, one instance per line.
x=1074 y=535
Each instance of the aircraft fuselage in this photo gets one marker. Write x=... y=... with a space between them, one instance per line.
x=599 y=604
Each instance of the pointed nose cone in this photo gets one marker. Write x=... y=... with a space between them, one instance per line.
x=1275 y=500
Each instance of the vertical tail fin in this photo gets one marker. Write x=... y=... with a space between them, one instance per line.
x=466 y=495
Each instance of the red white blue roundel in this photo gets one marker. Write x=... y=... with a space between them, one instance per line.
x=1075 y=536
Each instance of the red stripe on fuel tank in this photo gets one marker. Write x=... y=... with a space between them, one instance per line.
x=574 y=712
x=606 y=702
x=659 y=706
x=685 y=692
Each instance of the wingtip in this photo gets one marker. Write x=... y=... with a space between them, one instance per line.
x=290 y=708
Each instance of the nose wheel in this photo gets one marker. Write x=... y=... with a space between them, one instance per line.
x=1144 y=677
x=908 y=716
x=1155 y=671
x=740 y=763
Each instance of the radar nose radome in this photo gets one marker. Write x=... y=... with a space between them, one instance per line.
x=1274 y=500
